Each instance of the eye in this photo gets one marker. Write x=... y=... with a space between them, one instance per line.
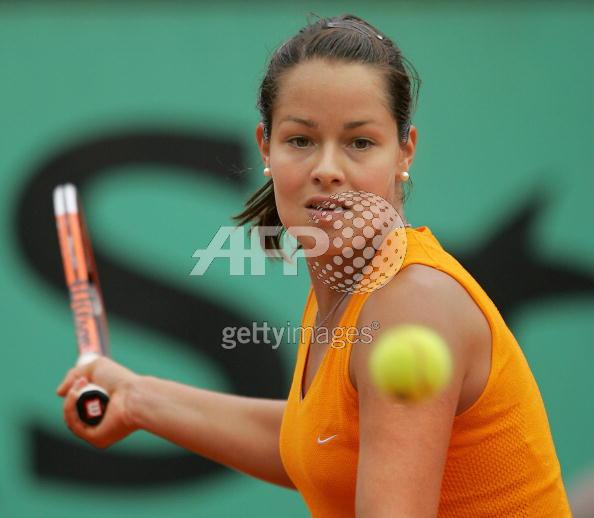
x=361 y=144
x=299 y=142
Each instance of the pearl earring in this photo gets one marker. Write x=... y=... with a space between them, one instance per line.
x=404 y=176
x=267 y=171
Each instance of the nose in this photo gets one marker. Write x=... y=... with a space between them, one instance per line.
x=327 y=172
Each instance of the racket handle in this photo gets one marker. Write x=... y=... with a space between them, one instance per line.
x=92 y=400
x=91 y=404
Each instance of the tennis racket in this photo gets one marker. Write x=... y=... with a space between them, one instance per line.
x=86 y=300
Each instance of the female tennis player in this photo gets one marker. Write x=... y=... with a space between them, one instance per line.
x=336 y=105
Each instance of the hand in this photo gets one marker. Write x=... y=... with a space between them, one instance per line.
x=119 y=383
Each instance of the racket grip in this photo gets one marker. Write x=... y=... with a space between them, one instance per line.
x=91 y=404
x=92 y=400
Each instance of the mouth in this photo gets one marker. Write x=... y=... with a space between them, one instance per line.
x=326 y=204
x=324 y=211
x=325 y=208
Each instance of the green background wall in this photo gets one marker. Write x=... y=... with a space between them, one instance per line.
x=505 y=117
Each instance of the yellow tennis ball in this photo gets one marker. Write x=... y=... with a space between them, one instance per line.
x=411 y=362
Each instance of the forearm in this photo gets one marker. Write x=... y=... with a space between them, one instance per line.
x=239 y=432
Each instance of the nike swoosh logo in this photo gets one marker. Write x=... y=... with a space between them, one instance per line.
x=322 y=441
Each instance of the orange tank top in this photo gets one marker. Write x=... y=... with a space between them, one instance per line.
x=501 y=458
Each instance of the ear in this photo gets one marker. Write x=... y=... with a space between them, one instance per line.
x=408 y=150
x=263 y=144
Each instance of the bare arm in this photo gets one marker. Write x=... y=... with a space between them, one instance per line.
x=403 y=447
x=239 y=432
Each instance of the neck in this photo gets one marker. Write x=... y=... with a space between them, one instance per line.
x=328 y=301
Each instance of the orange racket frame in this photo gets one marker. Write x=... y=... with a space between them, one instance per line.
x=86 y=299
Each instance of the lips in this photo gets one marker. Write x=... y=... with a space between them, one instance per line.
x=325 y=203
x=329 y=207
x=323 y=217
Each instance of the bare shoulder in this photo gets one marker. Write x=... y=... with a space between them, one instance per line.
x=420 y=284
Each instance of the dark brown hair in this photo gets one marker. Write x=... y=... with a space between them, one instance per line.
x=345 y=38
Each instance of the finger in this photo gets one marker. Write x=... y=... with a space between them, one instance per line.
x=67 y=382
x=72 y=375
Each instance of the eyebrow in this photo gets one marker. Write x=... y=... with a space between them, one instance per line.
x=312 y=124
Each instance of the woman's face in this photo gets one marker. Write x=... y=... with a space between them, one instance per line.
x=332 y=131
